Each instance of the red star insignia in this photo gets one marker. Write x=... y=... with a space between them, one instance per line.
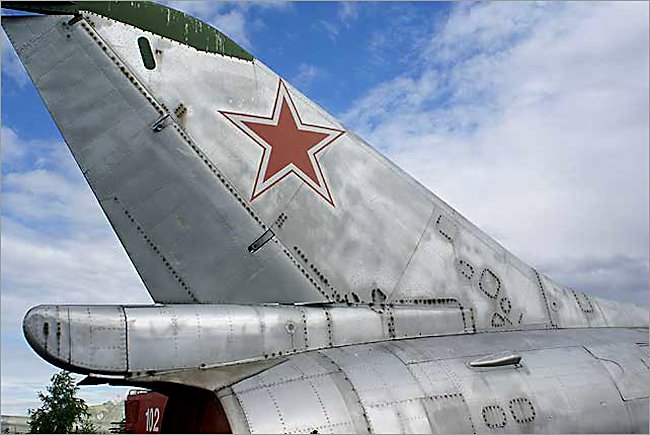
x=289 y=145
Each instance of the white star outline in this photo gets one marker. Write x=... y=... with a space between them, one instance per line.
x=262 y=186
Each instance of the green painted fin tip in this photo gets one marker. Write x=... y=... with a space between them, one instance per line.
x=149 y=16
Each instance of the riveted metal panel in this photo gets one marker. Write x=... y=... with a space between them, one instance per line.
x=301 y=365
x=570 y=308
x=399 y=417
x=153 y=344
x=510 y=293
x=358 y=415
x=554 y=386
x=183 y=329
x=195 y=221
x=435 y=348
x=478 y=274
x=213 y=83
x=163 y=231
x=250 y=88
x=316 y=327
x=233 y=410
x=377 y=375
x=369 y=323
x=328 y=404
x=568 y=383
x=563 y=307
x=481 y=398
x=196 y=151
x=98 y=335
x=280 y=329
x=446 y=227
x=166 y=337
x=560 y=384
x=547 y=391
x=146 y=253
x=434 y=378
x=34 y=42
x=352 y=254
x=301 y=396
x=261 y=411
x=144 y=174
x=448 y=413
x=411 y=322
x=430 y=273
x=624 y=362
x=311 y=394
x=47 y=331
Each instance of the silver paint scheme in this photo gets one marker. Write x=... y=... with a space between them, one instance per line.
x=391 y=292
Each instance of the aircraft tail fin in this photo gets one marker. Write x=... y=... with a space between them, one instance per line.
x=227 y=185
x=190 y=234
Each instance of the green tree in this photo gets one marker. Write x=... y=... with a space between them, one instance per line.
x=61 y=411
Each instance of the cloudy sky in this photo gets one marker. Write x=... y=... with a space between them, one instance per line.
x=531 y=119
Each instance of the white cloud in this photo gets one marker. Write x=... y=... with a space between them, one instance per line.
x=56 y=248
x=233 y=19
x=278 y=5
x=42 y=183
x=75 y=268
x=330 y=28
x=348 y=12
x=12 y=69
x=306 y=74
x=532 y=120
x=233 y=24
x=196 y=8
x=41 y=194
x=11 y=150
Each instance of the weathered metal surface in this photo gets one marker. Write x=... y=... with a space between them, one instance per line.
x=179 y=197
x=386 y=232
x=141 y=339
x=622 y=363
x=570 y=308
x=407 y=386
x=559 y=385
x=637 y=410
x=83 y=338
x=184 y=230
x=177 y=176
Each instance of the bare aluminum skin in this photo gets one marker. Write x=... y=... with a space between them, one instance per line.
x=427 y=385
x=131 y=340
x=430 y=297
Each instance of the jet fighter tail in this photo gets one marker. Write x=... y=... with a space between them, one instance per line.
x=191 y=233
x=227 y=185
